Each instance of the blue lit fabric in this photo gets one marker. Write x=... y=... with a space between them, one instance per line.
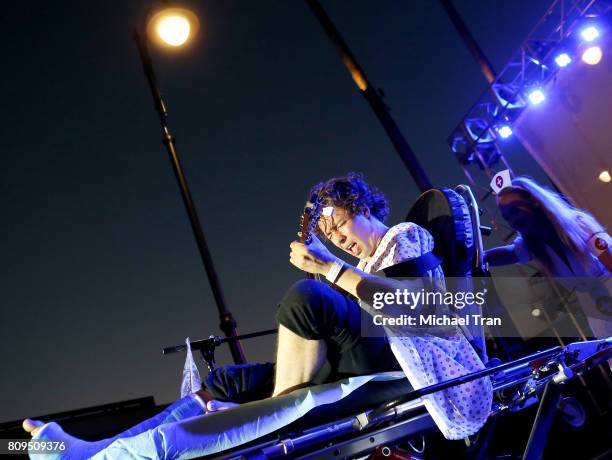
x=208 y=434
x=77 y=449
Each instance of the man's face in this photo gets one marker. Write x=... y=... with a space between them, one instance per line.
x=352 y=234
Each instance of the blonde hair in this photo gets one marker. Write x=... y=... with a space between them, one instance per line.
x=573 y=226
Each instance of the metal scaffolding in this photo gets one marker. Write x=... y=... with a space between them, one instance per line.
x=475 y=141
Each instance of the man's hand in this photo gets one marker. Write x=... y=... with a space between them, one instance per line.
x=312 y=258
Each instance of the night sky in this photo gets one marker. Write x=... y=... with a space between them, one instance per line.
x=99 y=265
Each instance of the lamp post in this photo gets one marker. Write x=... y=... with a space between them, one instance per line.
x=175 y=27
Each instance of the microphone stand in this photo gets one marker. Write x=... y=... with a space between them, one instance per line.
x=207 y=346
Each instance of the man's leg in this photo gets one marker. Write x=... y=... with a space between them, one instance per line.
x=319 y=324
x=184 y=408
x=298 y=360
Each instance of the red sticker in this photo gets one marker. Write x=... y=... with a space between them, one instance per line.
x=601 y=244
x=499 y=181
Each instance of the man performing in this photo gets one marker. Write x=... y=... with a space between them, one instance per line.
x=319 y=336
x=313 y=317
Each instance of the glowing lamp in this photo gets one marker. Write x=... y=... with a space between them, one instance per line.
x=604 y=176
x=592 y=55
x=563 y=60
x=173 y=27
x=536 y=96
x=589 y=33
x=504 y=131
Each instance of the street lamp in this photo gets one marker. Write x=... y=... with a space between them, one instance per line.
x=174 y=27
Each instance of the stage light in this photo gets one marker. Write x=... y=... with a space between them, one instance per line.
x=592 y=55
x=589 y=33
x=563 y=60
x=504 y=131
x=172 y=26
x=604 y=176
x=536 y=96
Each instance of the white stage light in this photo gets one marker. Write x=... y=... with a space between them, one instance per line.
x=536 y=96
x=563 y=60
x=589 y=33
x=592 y=55
x=504 y=131
x=604 y=176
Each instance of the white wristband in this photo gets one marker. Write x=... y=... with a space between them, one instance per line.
x=334 y=271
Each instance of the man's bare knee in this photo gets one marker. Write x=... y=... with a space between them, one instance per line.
x=297 y=359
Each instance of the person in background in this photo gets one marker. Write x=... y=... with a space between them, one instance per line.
x=559 y=239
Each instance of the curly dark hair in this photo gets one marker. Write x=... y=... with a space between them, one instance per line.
x=353 y=194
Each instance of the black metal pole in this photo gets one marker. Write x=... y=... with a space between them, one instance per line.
x=227 y=321
x=215 y=341
x=543 y=421
x=371 y=95
x=415 y=394
x=485 y=66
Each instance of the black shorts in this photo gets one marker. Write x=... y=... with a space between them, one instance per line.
x=313 y=310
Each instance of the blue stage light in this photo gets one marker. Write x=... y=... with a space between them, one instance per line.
x=563 y=60
x=504 y=131
x=589 y=33
x=536 y=96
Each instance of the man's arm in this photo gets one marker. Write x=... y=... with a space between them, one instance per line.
x=315 y=258
x=363 y=285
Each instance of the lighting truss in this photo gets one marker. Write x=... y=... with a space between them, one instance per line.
x=475 y=142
